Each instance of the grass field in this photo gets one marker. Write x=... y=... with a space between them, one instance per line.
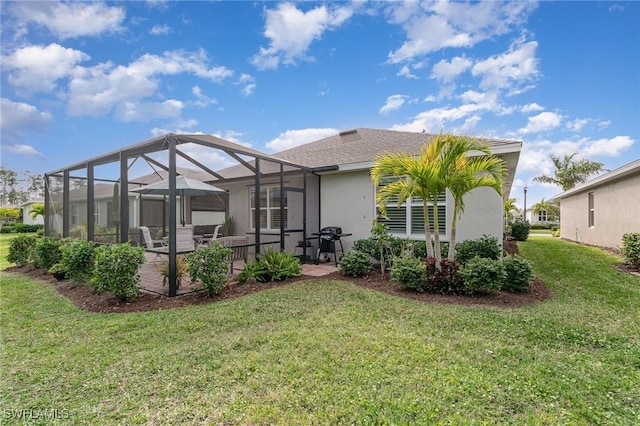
x=328 y=352
x=5 y=239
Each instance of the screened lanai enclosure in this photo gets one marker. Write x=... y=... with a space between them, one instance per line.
x=101 y=199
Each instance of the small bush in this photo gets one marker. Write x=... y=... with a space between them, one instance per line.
x=368 y=246
x=116 y=270
x=355 y=263
x=486 y=247
x=21 y=250
x=409 y=272
x=210 y=266
x=443 y=280
x=279 y=265
x=518 y=274
x=420 y=249
x=77 y=259
x=484 y=276
x=47 y=252
x=182 y=268
x=253 y=270
x=631 y=248
x=556 y=233
x=520 y=230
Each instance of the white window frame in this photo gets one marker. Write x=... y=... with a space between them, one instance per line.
x=269 y=208
x=410 y=206
x=592 y=209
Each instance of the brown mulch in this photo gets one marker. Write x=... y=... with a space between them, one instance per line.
x=87 y=299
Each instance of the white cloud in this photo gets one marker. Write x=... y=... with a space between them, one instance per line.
x=39 y=68
x=405 y=71
x=513 y=68
x=160 y=30
x=104 y=88
x=533 y=107
x=447 y=71
x=202 y=99
x=542 y=122
x=291 y=31
x=21 y=149
x=70 y=19
x=577 y=124
x=606 y=147
x=293 y=138
x=431 y=26
x=248 y=83
x=436 y=120
x=18 y=117
x=394 y=102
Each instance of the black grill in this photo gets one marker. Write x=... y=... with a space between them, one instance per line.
x=328 y=237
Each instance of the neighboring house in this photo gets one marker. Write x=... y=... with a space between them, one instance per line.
x=26 y=213
x=542 y=217
x=340 y=191
x=600 y=211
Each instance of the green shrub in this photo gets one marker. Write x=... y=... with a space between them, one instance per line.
x=631 y=248
x=116 y=270
x=483 y=276
x=56 y=268
x=409 y=272
x=368 y=246
x=445 y=279
x=486 y=247
x=355 y=263
x=279 y=265
x=77 y=259
x=210 y=266
x=520 y=230
x=420 y=249
x=253 y=270
x=518 y=273
x=7 y=228
x=23 y=228
x=47 y=252
x=21 y=250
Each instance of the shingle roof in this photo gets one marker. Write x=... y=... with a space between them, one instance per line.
x=361 y=145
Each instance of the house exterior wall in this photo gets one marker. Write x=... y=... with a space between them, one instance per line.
x=616 y=207
x=348 y=201
x=26 y=216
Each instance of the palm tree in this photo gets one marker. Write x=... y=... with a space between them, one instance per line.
x=569 y=173
x=551 y=207
x=37 y=209
x=510 y=206
x=417 y=177
x=464 y=173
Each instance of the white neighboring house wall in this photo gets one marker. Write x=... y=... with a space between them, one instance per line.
x=616 y=207
x=26 y=213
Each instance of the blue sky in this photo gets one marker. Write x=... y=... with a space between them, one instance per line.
x=81 y=79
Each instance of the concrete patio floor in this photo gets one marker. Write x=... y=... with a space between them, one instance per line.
x=151 y=278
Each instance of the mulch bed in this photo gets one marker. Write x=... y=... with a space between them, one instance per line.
x=86 y=298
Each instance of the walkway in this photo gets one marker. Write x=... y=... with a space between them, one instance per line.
x=151 y=278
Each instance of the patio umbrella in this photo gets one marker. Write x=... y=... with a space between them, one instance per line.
x=184 y=186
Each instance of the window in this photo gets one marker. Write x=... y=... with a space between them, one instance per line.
x=407 y=220
x=592 y=211
x=542 y=216
x=269 y=208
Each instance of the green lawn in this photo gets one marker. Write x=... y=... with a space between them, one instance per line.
x=5 y=239
x=328 y=352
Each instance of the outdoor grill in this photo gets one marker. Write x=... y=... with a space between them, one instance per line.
x=328 y=237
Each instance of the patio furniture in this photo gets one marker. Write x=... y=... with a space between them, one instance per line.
x=238 y=244
x=150 y=242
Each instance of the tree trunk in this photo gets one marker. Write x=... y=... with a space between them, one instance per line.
x=452 y=238
x=436 y=232
x=427 y=228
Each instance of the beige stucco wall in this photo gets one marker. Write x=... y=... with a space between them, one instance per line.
x=617 y=211
x=348 y=201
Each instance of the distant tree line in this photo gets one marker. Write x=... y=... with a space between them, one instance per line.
x=16 y=188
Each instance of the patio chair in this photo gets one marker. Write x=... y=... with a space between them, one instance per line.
x=148 y=241
x=184 y=238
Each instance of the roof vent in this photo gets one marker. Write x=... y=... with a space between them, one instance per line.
x=350 y=135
